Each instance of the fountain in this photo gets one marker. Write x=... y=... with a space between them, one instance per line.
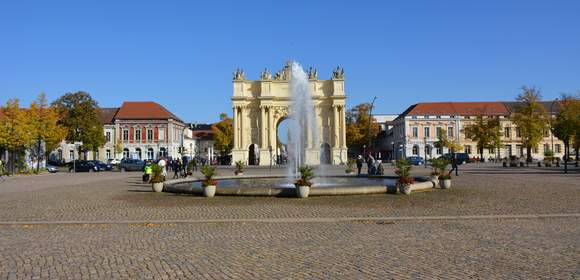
x=302 y=132
x=303 y=146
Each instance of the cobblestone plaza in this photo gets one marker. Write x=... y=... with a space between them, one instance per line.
x=495 y=223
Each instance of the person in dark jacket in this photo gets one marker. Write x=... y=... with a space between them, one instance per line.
x=454 y=165
x=359 y=164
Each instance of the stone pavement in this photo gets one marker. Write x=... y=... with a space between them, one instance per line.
x=493 y=224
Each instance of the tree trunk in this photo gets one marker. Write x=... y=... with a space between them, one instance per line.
x=566 y=155
x=577 y=153
x=529 y=154
x=38 y=158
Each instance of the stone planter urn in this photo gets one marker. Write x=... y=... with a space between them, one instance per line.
x=157 y=187
x=445 y=183
x=302 y=191
x=209 y=191
x=405 y=188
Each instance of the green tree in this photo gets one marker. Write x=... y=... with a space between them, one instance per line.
x=357 y=126
x=443 y=141
x=15 y=131
x=531 y=118
x=44 y=127
x=79 y=115
x=224 y=134
x=567 y=123
x=485 y=131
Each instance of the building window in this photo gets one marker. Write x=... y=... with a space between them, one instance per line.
x=138 y=152
x=439 y=151
x=149 y=135
x=415 y=150
x=438 y=117
x=518 y=132
x=438 y=131
x=467 y=117
x=71 y=154
x=519 y=150
x=108 y=136
x=557 y=148
x=507 y=132
x=414 y=117
x=108 y=154
x=546 y=148
x=150 y=154
x=125 y=153
x=427 y=134
x=125 y=135
x=415 y=132
x=426 y=116
x=138 y=135
x=491 y=151
x=450 y=131
x=467 y=149
x=547 y=133
x=535 y=150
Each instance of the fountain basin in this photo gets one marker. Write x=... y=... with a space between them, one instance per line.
x=282 y=187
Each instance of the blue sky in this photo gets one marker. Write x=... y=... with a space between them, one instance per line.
x=182 y=53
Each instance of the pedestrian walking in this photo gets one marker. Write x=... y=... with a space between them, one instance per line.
x=2 y=170
x=176 y=169
x=454 y=165
x=359 y=164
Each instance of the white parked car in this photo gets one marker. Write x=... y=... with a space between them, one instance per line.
x=52 y=169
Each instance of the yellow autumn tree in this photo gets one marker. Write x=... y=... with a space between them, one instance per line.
x=359 y=128
x=15 y=131
x=43 y=122
x=224 y=134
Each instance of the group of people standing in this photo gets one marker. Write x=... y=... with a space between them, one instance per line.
x=374 y=167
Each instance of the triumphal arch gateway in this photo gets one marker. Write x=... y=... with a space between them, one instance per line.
x=259 y=106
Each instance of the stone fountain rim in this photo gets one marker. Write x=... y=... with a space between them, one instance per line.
x=422 y=183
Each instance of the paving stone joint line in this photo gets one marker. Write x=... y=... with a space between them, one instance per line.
x=304 y=220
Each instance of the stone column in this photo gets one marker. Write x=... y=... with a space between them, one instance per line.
x=242 y=123
x=263 y=121
x=335 y=132
x=236 y=132
x=343 y=122
x=272 y=128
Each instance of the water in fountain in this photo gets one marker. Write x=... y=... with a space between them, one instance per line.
x=303 y=126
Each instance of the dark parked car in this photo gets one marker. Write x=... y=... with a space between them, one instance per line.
x=102 y=166
x=82 y=166
x=462 y=157
x=416 y=160
x=131 y=165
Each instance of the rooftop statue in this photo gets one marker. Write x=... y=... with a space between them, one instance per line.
x=266 y=75
x=338 y=73
x=312 y=73
x=239 y=75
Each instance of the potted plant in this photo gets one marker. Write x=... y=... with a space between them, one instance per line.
x=305 y=182
x=445 y=181
x=157 y=178
x=403 y=169
x=239 y=168
x=209 y=185
x=350 y=166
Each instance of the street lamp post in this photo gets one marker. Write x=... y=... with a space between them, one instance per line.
x=425 y=148
x=371 y=120
x=552 y=134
